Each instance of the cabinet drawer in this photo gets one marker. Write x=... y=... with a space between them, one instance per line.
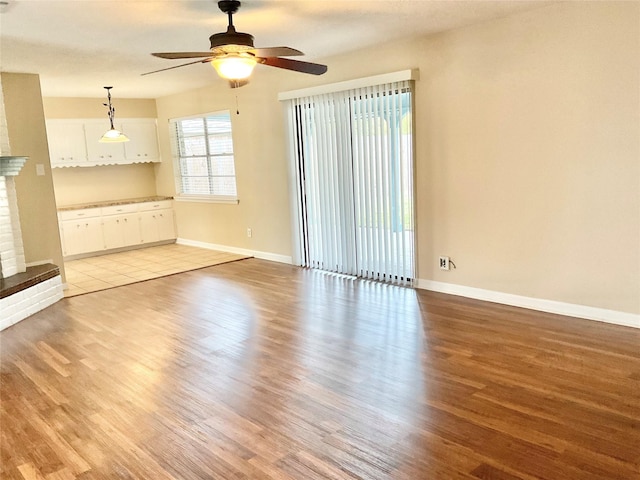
x=119 y=209
x=82 y=213
x=155 y=205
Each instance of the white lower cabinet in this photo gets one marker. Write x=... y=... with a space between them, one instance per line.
x=97 y=229
x=157 y=225
x=121 y=230
x=82 y=236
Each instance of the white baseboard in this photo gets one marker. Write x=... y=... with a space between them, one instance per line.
x=549 y=306
x=274 y=257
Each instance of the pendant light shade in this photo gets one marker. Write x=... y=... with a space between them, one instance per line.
x=112 y=135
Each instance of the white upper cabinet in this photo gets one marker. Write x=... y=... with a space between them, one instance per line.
x=143 y=141
x=102 y=153
x=67 y=145
x=75 y=143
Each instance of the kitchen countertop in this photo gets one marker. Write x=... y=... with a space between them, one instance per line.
x=110 y=203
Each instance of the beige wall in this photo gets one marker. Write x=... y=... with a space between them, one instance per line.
x=527 y=151
x=75 y=186
x=530 y=136
x=82 y=185
x=261 y=169
x=66 y=107
x=36 y=200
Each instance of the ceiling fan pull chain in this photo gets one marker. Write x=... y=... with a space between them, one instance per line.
x=237 y=109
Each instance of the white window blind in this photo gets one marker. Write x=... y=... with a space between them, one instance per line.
x=203 y=154
x=353 y=168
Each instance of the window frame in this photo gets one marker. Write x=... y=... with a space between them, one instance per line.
x=176 y=138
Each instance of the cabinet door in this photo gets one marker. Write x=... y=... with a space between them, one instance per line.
x=72 y=234
x=113 y=231
x=67 y=147
x=157 y=225
x=121 y=230
x=131 y=229
x=143 y=141
x=149 y=227
x=93 y=237
x=102 y=153
x=82 y=236
x=166 y=226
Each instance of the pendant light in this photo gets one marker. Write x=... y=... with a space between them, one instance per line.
x=113 y=135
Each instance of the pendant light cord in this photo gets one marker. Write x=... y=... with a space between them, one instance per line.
x=111 y=111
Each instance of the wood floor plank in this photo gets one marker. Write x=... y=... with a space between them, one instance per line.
x=30 y=472
x=260 y=370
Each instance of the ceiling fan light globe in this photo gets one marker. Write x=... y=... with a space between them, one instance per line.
x=234 y=67
x=113 y=136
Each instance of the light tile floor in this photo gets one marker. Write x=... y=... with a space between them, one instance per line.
x=122 y=268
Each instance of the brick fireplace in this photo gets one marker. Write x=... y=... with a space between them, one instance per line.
x=11 y=250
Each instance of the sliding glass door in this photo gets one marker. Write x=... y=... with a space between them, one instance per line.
x=353 y=169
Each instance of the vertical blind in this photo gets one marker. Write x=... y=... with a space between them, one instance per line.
x=353 y=169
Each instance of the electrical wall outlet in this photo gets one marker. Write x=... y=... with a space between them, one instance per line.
x=444 y=263
x=249 y=232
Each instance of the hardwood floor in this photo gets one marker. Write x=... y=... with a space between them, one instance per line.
x=260 y=370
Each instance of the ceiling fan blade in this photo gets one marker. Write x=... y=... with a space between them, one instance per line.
x=176 y=55
x=177 y=66
x=276 y=52
x=295 y=65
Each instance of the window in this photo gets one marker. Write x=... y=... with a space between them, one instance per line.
x=203 y=153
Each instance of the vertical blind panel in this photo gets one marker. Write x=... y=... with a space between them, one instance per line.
x=324 y=154
x=354 y=164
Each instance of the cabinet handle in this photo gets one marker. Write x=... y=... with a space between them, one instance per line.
x=109 y=156
x=125 y=219
x=101 y=156
x=118 y=210
x=138 y=154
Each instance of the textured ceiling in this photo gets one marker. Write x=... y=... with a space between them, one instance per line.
x=79 y=46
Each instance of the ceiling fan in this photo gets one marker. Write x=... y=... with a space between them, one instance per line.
x=233 y=55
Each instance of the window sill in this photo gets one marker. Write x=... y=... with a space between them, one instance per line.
x=206 y=199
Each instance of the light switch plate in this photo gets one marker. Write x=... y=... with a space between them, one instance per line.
x=39 y=169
